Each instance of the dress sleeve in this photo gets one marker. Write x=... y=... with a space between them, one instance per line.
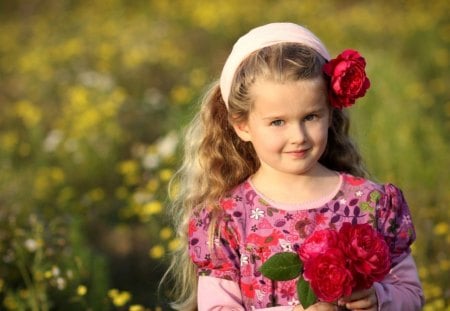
x=217 y=262
x=218 y=294
x=221 y=259
x=223 y=295
x=400 y=289
x=395 y=223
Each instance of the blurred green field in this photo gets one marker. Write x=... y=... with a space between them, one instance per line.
x=93 y=99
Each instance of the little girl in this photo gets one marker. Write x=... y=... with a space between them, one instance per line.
x=267 y=162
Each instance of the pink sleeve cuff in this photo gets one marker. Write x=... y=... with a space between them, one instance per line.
x=400 y=289
x=216 y=294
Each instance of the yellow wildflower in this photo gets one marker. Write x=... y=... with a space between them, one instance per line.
x=181 y=94
x=174 y=244
x=119 y=299
x=97 y=194
x=423 y=272
x=156 y=252
x=29 y=113
x=81 y=290
x=129 y=167
x=136 y=308
x=9 y=140
x=165 y=233
x=441 y=228
x=10 y=302
x=24 y=293
x=444 y=264
x=57 y=174
x=48 y=274
x=113 y=292
x=152 y=185
x=152 y=208
x=165 y=174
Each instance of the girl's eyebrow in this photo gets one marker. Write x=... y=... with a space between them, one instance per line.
x=318 y=110
x=273 y=117
x=307 y=112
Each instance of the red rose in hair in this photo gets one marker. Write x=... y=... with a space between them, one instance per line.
x=318 y=243
x=367 y=251
x=328 y=275
x=348 y=78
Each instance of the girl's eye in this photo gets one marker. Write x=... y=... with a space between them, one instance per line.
x=311 y=117
x=277 y=123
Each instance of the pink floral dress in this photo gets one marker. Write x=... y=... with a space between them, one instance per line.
x=251 y=228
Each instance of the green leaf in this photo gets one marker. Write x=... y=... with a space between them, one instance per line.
x=365 y=206
x=305 y=293
x=375 y=196
x=282 y=266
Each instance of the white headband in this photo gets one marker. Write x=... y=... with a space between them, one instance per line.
x=261 y=37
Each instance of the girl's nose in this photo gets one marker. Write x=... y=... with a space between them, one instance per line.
x=298 y=133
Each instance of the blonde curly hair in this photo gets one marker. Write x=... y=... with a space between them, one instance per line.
x=216 y=160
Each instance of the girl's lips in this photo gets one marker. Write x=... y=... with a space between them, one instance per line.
x=297 y=153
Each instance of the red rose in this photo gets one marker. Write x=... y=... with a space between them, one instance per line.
x=367 y=251
x=328 y=275
x=348 y=78
x=318 y=243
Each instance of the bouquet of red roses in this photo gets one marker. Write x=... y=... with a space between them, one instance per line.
x=332 y=264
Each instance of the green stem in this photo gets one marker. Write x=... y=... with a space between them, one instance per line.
x=29 y=285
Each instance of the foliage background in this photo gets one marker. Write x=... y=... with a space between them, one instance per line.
x=93 y=99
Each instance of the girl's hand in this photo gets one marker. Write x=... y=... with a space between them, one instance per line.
x=364 y=300
x=319 y=306
x=361 y=300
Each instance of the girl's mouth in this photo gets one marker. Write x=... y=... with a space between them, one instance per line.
x=298 y=153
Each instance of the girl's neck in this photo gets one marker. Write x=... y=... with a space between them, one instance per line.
x=293 y=189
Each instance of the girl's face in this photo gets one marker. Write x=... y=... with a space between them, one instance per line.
x=287 y=125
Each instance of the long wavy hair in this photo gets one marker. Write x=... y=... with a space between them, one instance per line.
x=216 y=160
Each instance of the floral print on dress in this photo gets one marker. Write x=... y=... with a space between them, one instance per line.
x=249 y=230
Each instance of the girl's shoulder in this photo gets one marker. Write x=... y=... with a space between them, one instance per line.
x=235 y=198
x=351 y=183
x=382 y=194
x=231 y=204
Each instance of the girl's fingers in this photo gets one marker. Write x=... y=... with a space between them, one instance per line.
x=357 y=295
x=364 y=299
x=319 y=306
x=322 y=306
x=366 y=303
x=361 y=294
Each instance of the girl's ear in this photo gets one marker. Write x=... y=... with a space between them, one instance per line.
x=242 y=131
